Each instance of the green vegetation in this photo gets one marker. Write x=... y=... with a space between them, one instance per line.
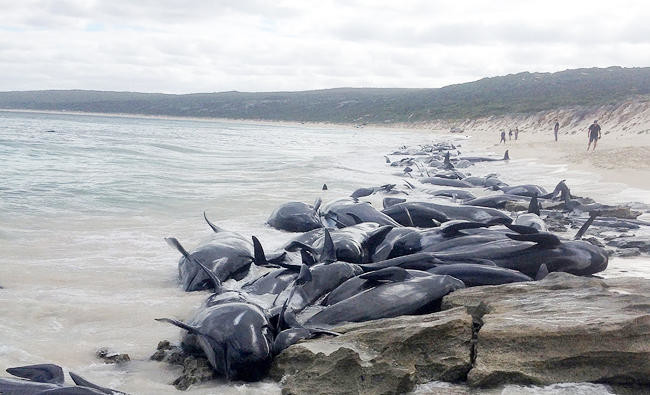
x=514 y=93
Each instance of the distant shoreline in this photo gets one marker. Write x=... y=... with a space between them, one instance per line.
x=621 y=156
x=396 y=126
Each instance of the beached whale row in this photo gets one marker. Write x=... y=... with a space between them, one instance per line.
x=349 y=261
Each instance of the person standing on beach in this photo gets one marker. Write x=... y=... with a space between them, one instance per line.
x=503 y=137
x=516 y=133
x=593 y=134
x=556 y=128
x=510 y=135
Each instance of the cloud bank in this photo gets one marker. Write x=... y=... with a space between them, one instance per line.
x=253 y=45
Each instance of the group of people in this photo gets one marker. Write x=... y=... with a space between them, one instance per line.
x=593 y=134
x=512 y=132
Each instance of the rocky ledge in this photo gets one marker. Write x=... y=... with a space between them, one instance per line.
x=561 y=329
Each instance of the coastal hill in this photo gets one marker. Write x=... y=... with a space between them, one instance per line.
x=522 y=93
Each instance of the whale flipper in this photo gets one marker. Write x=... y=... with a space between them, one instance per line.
x=317 y=204
x=307 y=258
x=585 y=226
x=180 y=324
x=174 y=243
x=409 y=220
x=522 y=229
x=451 y=228
x=386 y=275
x=356 y=219
x=542 y=238
x=85 y=383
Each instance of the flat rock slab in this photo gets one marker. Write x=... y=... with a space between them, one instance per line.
x=562 y=329
x=380 y=357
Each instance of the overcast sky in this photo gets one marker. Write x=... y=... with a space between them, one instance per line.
x=253 y=45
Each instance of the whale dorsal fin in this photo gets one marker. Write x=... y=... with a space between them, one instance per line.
x=42 y=373
x=534 y=206
x=259 y=258
x=304 y=276
x=328 y=254
x=214 y=227
x=542 y=238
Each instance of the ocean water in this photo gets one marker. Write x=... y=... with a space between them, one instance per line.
x=85 y=202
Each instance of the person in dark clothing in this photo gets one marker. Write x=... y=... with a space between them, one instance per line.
x=516 y=133
x=503 y=137
x=510 y=135
x=556 y=129
x=593 y=134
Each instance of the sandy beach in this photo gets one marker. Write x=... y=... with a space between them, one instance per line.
x=617 y=158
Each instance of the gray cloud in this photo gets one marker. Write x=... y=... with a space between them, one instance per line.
x=257 y=45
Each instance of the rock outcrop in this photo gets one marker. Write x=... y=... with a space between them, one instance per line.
x=561 y=329
x=380 y=357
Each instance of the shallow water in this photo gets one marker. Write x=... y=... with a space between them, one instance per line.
x=84 y=209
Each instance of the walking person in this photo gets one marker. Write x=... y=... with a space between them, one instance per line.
x=556 y=128
x=510 y=135
x=503 y=137
x=516 y=133
x=593 y=134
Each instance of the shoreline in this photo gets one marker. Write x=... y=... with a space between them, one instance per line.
x=620 y=157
